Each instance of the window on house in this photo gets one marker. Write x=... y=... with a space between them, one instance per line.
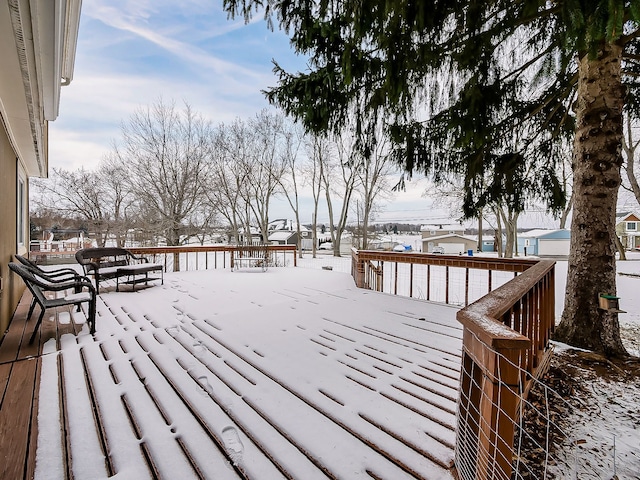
x=632 y=226
x=21 y=210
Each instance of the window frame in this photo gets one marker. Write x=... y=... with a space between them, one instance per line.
x=21 y=208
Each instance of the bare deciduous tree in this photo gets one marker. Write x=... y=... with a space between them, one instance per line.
x=167 y=154
x=249 y=167
x=291 y=180
x=123 y=210
x=373 y=172
x=96 y=198
x=339 y=178
x=225 y=179
x=630 y=142
x=318 y=151
x=266 y=167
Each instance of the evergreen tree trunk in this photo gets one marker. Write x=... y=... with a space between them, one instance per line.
x=597 y=160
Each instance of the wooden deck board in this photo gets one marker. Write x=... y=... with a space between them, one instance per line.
x=33 y=436
x=11 y=342
x=20 y=367
x=161 y=392
x=16 y=419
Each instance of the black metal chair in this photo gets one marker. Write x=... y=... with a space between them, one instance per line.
x=65 y=273
x=59 y=273
x=39 y=284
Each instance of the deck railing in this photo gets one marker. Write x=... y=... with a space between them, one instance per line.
x=505 y=342
x=197 y=257
x=368 y=268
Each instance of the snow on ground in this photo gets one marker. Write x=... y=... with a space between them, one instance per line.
x=595 y=429
x=598 y=407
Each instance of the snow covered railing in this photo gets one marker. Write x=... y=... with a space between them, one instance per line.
x=451 y=279
x=505 y=340
x=197 y=257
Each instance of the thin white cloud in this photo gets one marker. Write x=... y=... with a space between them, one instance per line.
x=135 y=19
x=109 y=84
x=73 y=150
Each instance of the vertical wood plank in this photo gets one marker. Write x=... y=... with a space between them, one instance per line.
x=15 y=419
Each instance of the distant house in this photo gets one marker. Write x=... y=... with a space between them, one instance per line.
x=628 y=229
x=253 y=238
x=441 y=229
x=451 y=243
x=543 y=242
x=489 y=243
x=285 y=232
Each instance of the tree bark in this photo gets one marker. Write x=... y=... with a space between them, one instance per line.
x=498 y=232
x=597 y=161
x=510 y=220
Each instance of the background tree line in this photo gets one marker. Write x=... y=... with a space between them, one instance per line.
x=173 y=175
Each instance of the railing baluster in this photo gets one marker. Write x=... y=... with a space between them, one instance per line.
x=466 y=286
x=395 y=280
x=446 y=286
x=176 y=252
x=411 y=280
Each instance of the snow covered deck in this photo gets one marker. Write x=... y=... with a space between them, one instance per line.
x=290 y=373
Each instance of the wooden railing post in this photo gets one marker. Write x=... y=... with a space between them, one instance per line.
x=498 y=415
x=176 y=261
x=358 y=269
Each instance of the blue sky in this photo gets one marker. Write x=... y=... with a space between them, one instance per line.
x=132 y=52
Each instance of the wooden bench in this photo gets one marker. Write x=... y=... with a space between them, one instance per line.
x=250 y=256
x=40 y=283
x=111 y=262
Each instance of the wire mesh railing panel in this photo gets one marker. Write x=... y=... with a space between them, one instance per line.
x=549 y=433
x=460 y=286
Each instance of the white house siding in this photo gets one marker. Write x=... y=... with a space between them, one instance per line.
x=553 y=247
